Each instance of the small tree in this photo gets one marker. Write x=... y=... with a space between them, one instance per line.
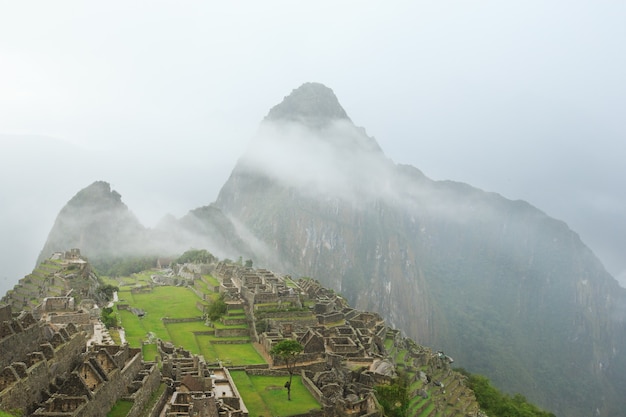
x=217 y=308
x=106 y=291
x=109 y=319
x=288 y=350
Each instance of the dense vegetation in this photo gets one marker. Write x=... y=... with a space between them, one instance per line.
x=497 y=404
x=196 y=256
x=123 y=266
x=108 y=317
x=394 y=398
x=106 y=291
x=216 y=309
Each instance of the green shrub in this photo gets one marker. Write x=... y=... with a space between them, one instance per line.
x=217 y=308
x=497 y=404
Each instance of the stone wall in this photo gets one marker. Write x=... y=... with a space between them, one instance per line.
x=226 y=321
x=167 y=320
x=160 y=404
x=17 y=341
x=27 y=391
x=79 y=318
x=313 y=389
x=150 y=384
x=312 y=413
x=143 y=289
x=5 y=313
x=266 y=297
x=237 y=402
x=110 y=392
x=333 y=317
x=287 y=314
x=231 y=332
x=266 y=371
x=58 y=304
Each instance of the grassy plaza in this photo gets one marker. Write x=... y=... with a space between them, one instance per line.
x=181 y=303
x=266 y=395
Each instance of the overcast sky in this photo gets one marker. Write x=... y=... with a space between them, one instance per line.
x=523 y=98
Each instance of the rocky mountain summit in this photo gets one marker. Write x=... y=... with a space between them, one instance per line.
x=507 y=290
x=311 y=102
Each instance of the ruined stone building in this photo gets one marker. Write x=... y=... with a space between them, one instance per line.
x=196 y=388
x=47 y=371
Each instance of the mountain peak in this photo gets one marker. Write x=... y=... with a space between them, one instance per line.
x=313 y=103
x=97 y=193
x=96 y=221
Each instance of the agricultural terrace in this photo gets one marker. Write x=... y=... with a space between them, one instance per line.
x=197 y=336
x=266 y=395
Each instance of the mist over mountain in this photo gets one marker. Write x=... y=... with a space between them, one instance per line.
x=499 y=285
x=507 y=290
x=101 y=225
x=97 y=221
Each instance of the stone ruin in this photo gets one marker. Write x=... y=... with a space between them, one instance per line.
x=197 y=388
x=57 y=277
x=344 y=355
x=327 y=349
x=45 y=370
x=344 y=359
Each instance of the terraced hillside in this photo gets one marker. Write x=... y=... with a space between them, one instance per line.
x=54 y=277
x=177 y=315
x=352 y=363
x=433 y=388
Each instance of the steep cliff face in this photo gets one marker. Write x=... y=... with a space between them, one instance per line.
x=507 y=290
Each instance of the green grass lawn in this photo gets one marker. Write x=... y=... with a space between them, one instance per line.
x=231 y=354
x=173 y=302
x=120 y=409
x=219 y=325
x=252 y=399
x=211 y=280
x=201 y=286
x=135 y=331
x=238 y=354
x=149 y=352
x=115 y=335
x=182 y=334
x=206 y=347
x=124 y=295
x=266 y=395
x=388 y=343
x=291 y=283
x=180 y=302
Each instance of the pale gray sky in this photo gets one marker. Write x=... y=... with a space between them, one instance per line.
x=160 y=98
